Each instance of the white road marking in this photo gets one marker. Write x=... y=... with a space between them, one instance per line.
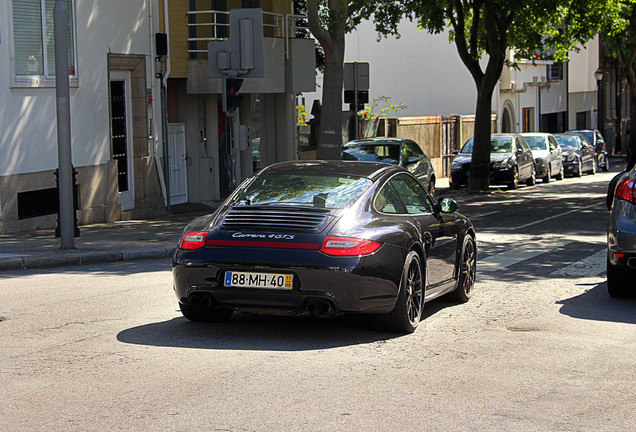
x=513 y=256
x=484 y=215
x=548 y=218
x=593 y=265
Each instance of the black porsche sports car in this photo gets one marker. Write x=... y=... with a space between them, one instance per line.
x=326 y=238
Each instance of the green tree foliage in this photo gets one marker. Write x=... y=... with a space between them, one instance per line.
x=483 y=31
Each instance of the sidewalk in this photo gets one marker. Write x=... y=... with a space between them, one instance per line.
x=100 y=243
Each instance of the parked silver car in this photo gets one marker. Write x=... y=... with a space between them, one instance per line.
x=621 y=233
x=547 y=155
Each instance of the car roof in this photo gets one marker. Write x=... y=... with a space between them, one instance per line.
x=389 y=141
x=535 y=134
x=370 y=170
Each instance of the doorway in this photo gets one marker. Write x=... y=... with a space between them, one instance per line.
x=121 y=136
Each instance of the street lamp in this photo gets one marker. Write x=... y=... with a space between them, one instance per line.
x=600 y=116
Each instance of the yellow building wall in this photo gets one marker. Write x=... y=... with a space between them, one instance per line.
x=178 y=33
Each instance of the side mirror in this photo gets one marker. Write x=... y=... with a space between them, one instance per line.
x=411 y=160
x=447 y=205
x=455 y=152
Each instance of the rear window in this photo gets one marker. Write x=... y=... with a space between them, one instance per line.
x=315 y=190
x=385 y=153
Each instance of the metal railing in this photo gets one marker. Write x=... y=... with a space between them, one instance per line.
x=213 y=25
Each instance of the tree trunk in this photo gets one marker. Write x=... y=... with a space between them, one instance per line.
x=479 y=179
x=330 y=130
x=631 y=146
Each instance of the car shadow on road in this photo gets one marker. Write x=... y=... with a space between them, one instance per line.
x=596 y=304
x=258 y=333
x=253 y=332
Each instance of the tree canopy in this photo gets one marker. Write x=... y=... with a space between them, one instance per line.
x=484 y=30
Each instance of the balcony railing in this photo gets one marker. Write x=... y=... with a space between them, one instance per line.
x=213 y=25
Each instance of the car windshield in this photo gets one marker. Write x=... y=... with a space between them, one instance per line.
x=566 y=141
x=537 y=142
x=497 y=145
x=587 y=134
x=377 y=152
x=317 y=190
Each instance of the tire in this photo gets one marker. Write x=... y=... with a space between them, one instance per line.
x=407 y=312
x=199 y=314
x=467 y=271
x=514 y=184
x=579 y=170
x=592 y=170
x=548 y=175
x=561 y=173
x=618 y=280
x=606 y=164
x=532 y=180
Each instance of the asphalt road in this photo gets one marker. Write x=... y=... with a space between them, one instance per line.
x=540 y=346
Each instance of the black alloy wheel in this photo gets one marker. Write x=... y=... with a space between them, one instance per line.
x=514 y=184
x=407 y=312
x=467 y=271
x=548 y=175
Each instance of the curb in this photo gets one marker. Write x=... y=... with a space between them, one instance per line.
x=82 y=258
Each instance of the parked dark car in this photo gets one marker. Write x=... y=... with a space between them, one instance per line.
x=398 y=151
x=326 y=238
x=511 y=161
x=547 y=155
x=578 y=154
x=596 y=140
x=621 y=233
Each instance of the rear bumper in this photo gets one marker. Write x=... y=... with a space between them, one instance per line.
x=342 y=285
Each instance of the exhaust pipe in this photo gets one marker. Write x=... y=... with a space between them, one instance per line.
x=195 y=300
x=326 y=308
x=312 y=307
x=206 y=302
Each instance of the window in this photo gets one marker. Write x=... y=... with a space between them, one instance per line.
x=412 y=194
x=33 y=34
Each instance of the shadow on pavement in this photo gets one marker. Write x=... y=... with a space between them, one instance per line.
x=596 y=304
x=257 y=333
x=252 y=332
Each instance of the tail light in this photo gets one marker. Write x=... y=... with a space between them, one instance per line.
x=626 y=190
x=344 y=246
x=193 y=240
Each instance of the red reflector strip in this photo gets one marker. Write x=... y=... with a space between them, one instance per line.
x=262 y=244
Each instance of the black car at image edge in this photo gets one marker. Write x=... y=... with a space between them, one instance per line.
x=326 y=238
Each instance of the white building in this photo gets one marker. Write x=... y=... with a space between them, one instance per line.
x=425 y=72
x=115 y=115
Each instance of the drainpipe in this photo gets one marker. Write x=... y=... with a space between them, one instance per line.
x=164 y=109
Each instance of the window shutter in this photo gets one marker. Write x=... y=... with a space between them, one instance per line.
x=27 y=25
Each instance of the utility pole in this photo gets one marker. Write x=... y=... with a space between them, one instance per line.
x=64 y=155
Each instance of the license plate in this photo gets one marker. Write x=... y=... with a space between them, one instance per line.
x=258 y=280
